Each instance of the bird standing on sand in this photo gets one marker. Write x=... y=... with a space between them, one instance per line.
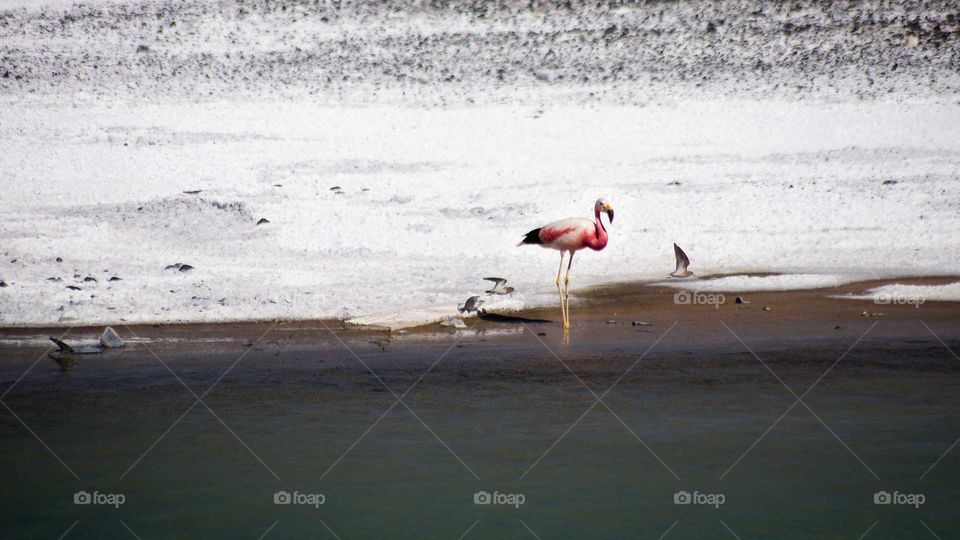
x=569 y=236
x=682 y=263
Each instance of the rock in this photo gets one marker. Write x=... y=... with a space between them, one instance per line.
x=115 y=278
x=185 y=268
x=864 y=313
x=766 y=308
x=640 y=323
x=889 y=182
x=111 y=340
x=263 y=221
x=89 y=279
x=740 y=300
x=59 y=260
x=335 y=188
x=143 y=48
x=73 y=287
x=3 y=284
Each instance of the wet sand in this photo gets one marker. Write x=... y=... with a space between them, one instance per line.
x=697 y=399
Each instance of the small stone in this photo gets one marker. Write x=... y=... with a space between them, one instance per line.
x=640 y=323
x=185 y=268
x=864 y=313
x=89 y=279
x=611 y=321
x=766 y=308
x=263 y=221
x=335 y=188
x=73 y=287
x=3 y=283
x=143 y=48
x=115 y=278
x=836 y=327
x=111 y=340
x=541 y=334
x=740 y=300
x=59 y=259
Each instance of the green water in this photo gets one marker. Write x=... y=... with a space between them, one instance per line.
x=295 y=422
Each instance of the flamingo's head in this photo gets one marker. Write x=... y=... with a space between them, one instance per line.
x=603 y=206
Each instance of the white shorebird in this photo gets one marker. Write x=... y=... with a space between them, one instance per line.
x=682 y=263
x=498 y=286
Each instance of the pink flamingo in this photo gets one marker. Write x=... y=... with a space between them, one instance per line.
x=571 y=235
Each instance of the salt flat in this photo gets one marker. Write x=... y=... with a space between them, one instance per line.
x=399 y=152
x=381 y=209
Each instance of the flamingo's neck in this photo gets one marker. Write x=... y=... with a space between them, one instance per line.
x=600 y=240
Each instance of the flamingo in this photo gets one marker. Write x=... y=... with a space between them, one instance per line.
x=569 y=236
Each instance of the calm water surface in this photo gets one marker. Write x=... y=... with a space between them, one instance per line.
x=515 y=422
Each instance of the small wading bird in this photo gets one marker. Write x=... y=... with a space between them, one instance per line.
x=472 y=304
x=682 y=263
x=498 y=286
x=569 y=236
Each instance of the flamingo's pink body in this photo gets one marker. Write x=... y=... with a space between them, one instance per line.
x=569 y=236
x=574 y=234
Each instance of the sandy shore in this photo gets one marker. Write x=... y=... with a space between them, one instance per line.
x=623 y=318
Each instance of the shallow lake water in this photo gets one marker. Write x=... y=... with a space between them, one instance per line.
x=318 y=426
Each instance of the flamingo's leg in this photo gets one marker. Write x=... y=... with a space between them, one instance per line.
x=563 y=308
x=566 y=291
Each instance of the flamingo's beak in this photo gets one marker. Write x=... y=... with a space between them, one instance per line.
x=609 y=210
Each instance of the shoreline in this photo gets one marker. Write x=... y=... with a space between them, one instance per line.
x=607 y=310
